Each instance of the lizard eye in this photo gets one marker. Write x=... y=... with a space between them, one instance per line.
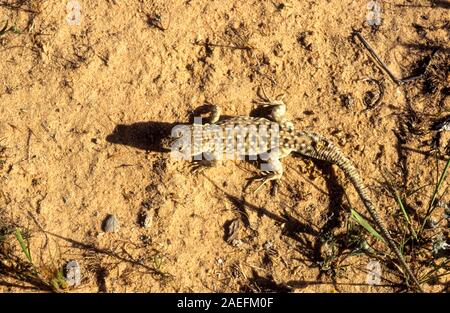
x=177 y=135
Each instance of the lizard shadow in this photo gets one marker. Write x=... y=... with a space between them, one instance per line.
x=142 y=135
x=333 y=214
x=297 y=230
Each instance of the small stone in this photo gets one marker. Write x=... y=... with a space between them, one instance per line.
x=145 y=239
x=145 y=218
x=431 y=223
x=268 y=245
x=304 y=39
x=111 y=224
x=443 y=125
x=237 y=243
x=346 y=100
x=73 y=273
x=233 y=230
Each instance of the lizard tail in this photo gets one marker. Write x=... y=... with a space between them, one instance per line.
x=322 y=149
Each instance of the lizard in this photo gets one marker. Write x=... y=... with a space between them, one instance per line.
x=209 y=140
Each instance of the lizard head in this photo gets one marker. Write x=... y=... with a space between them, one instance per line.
x=183 y=140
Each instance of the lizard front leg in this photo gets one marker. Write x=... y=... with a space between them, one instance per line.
x=213 y=110
x=208 y=157
x=277 y=108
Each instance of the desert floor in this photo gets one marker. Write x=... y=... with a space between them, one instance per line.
x=86 y=97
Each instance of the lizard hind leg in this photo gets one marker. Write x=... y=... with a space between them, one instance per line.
x=198 y=166
x=270 y=171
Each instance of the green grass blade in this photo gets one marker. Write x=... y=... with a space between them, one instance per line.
x=361 y=221
x=15 y=30
x=23 y=245
x=405 y=214
x=59 y=282
x=435 y=192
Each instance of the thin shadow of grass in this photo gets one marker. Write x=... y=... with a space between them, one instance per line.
x=93 y=249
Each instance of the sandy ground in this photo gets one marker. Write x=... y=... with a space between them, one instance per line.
x=84 y=105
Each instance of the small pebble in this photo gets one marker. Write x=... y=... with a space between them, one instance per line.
x=73 y=274
x=145 y=239
x=268 y=245
x=444 y=125
x=111 y=224
x=346 y=100
x=304 y=39
x=145 y=219
x=233 y=230
x=237 y=243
